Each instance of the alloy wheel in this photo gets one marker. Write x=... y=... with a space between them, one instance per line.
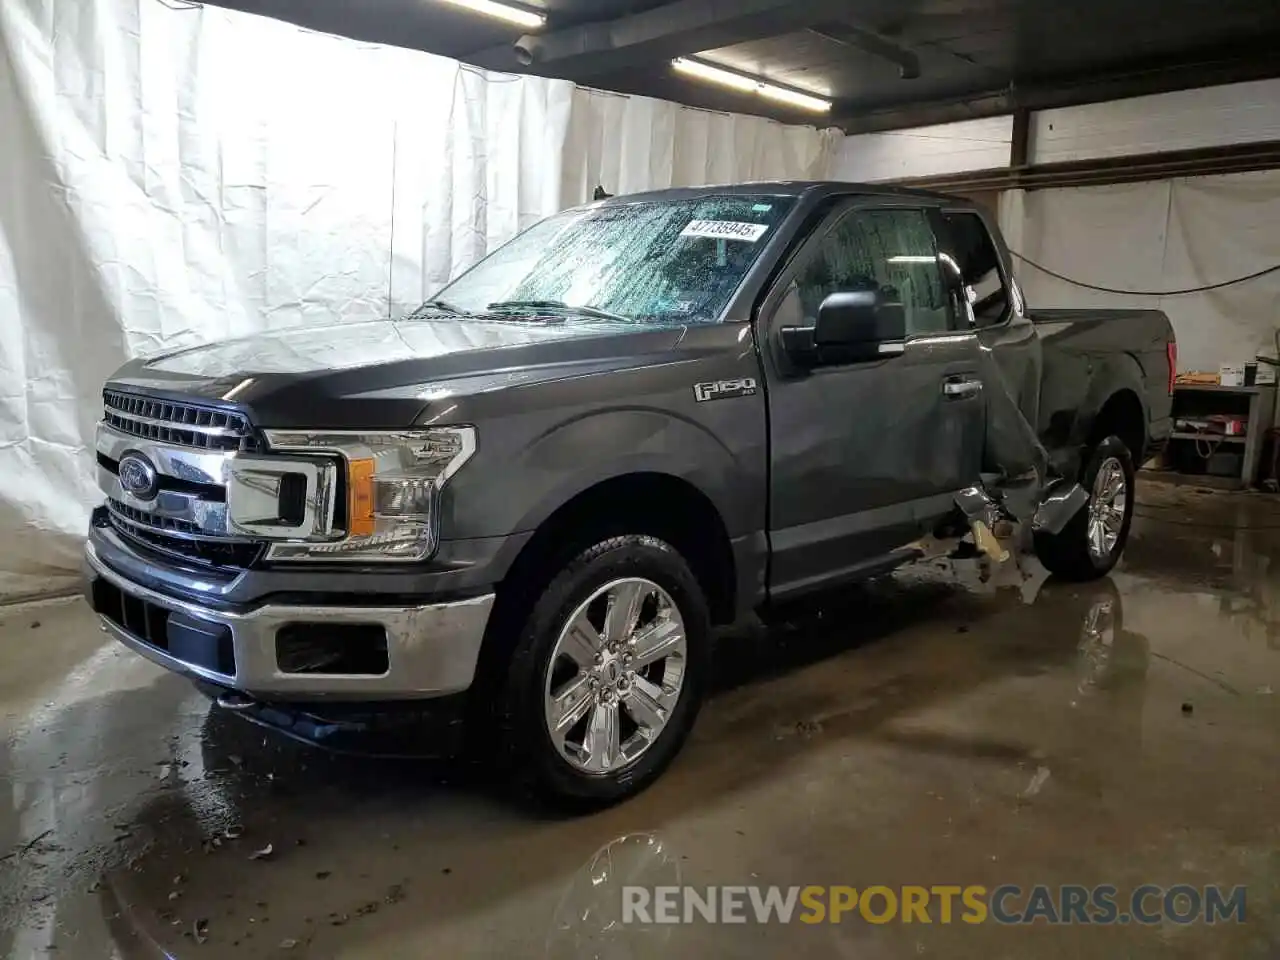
x=1107 y=508
x=615 y=675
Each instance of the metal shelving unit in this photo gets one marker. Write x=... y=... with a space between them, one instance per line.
x=1255 y=405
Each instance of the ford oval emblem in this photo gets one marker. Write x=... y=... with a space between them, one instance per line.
x=138 y=477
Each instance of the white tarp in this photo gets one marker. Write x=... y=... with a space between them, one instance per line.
x=1156 y=236
x=173 y=174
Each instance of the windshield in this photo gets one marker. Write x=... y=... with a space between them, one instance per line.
x=675 y=261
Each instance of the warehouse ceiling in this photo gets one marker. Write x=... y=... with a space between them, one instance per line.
x=882 y=63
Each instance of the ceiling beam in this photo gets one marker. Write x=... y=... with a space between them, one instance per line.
x=645 y=39
x=868 y=41
x=1230 y=67
x=1020 y=139
x=1196 y=162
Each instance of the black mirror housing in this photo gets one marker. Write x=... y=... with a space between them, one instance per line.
x=852 y=326
x=858 y=317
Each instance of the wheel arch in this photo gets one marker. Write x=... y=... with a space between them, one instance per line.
x=662 y=505
x=654 y=502
x=1124 y=416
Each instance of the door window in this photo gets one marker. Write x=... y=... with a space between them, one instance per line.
x=981 y=281
x=887 y=250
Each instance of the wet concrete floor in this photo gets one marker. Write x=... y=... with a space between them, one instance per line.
x=928 y=729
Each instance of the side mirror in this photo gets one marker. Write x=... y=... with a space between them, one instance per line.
x=858 y=317
x=852 y=326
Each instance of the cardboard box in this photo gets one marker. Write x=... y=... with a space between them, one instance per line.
x=1231 y=374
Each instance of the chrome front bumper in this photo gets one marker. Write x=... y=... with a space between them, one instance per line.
x=432 y=649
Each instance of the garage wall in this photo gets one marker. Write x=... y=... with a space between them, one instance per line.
x=1163 y=235
x=1213 y=116
x=925 y=151
x=175 y=174
x=1210 y=117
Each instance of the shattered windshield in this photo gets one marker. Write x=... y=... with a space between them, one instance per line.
x=675 y=261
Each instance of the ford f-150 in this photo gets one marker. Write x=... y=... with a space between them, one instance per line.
x=536 y=494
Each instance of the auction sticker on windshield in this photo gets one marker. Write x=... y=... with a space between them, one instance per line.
x=725 y=230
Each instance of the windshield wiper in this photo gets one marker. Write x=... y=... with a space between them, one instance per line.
x=439 y=305
x=560 y=306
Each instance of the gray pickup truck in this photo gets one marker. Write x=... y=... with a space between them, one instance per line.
x=535 y=496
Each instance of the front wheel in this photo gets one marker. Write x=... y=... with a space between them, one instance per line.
x=1092 y=541
x=605 y=679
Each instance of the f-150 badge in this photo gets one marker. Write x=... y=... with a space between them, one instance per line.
x=724 y=389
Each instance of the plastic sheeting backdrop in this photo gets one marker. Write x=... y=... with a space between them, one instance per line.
x=175 y=175
x=1161 y=235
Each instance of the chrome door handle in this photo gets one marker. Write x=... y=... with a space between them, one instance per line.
x=961 y=387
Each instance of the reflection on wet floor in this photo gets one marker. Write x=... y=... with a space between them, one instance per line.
x=927 y=729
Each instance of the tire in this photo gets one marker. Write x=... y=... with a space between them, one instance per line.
x=1069 y=554
x=575 y=771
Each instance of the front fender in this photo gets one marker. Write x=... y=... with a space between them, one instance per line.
x=556 y=466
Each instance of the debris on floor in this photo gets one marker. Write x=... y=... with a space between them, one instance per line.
x=1037 y=783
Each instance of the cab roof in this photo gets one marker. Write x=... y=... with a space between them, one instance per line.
x=781 y=188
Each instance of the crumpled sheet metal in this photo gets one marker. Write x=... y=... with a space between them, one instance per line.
x=977 y=505
x=1062 y=502
x=1017 y=480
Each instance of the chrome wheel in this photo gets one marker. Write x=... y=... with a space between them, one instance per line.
x=615 y=675
x=1106 y=508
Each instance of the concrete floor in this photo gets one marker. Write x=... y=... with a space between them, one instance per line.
x=928 y=729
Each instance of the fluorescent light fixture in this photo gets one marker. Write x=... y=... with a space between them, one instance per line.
x=725 y=78
x=520 y=16
x=761 y=88
x=906 y=258
x=794 y=98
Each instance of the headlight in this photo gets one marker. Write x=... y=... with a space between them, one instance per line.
x=392 y=483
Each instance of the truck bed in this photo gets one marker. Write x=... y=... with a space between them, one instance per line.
x=1090 y=356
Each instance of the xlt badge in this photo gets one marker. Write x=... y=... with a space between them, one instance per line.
x=724 y=389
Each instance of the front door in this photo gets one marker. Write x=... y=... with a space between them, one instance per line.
x=867 y=456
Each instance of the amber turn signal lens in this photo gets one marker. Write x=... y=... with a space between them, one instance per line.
x=360 y=497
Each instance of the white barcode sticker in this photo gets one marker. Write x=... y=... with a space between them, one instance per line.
x=725 y=230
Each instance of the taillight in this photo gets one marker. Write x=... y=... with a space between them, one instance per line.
x=1172 y=351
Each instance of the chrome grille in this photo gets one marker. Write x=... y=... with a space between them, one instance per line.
x=217 y=498
x=184 y=424
x=179 y=539
x=152 y=521
x=232 y=555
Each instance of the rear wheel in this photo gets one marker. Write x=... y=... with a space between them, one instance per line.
x=1091 y=543
x=605 y=679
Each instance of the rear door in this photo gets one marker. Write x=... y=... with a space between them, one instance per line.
x=866 y=456
x=988 y=302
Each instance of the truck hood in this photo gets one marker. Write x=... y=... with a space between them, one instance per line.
x=381 y=374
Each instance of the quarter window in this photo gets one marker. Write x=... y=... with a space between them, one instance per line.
x=982 y=284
